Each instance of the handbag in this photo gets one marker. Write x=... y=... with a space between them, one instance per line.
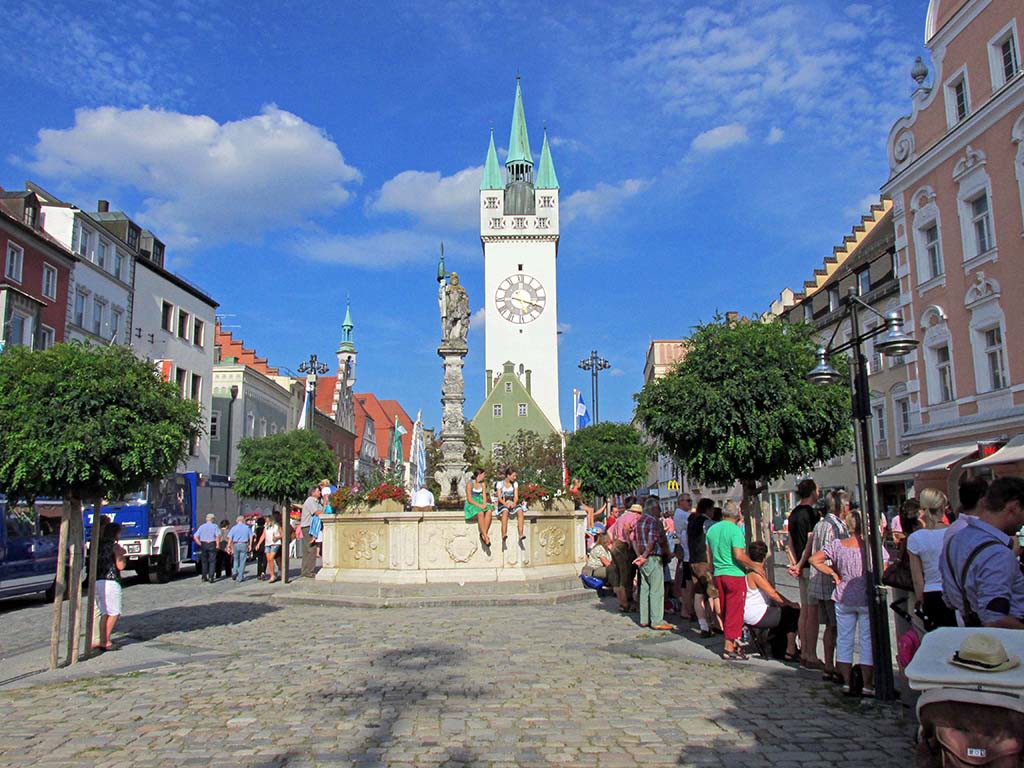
x=897 y=574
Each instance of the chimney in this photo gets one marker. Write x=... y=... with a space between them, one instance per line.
x=103 y=206
x=529 y=376
x=490 y=382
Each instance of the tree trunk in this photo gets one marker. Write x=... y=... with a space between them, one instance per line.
x=753 y=521
x=286 y=529
x=94 y=538
x=75 y=579
x=60 y=583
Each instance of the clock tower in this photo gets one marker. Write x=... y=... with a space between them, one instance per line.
x=519 y=233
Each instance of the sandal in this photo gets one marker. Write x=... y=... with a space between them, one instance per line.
x=734 y=656
x=792 y=657
x=831 y=676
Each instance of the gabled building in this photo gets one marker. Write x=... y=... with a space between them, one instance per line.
x=508 y=408
x=957 y=185
x=36 y=275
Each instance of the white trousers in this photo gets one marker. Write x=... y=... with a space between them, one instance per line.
x=853 y=624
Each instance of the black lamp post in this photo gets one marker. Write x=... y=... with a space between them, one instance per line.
x=894 y=343
x=312 y=368
x=595 y=364
x=231 y=413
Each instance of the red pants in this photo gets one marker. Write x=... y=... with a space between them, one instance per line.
x=732 y=591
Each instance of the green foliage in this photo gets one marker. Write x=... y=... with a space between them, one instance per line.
x=740 y=407
x=474 y=448
x=536 y=459
x=608 y=458
x=283 y=467
x=88 y=421
x=378 y=474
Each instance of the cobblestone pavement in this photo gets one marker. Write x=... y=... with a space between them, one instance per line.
x=234 y=679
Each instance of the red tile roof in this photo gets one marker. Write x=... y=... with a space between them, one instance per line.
x=229 y=347
x=325 y=386
x=383 y=413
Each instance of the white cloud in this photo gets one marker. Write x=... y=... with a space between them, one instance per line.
x=617 y=372
x=202 y=180
x=602 y=199
x=375 y=250
x=722 y=137
x=862 y=208
x=432 y=198
x=478 y=319
x=570 y=145
x=775 y=135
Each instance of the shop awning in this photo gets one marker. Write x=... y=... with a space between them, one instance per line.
x=1010 y=453
x=930 y=460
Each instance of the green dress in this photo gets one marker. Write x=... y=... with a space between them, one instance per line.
x=471 y=510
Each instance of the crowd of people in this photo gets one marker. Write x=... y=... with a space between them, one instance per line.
x=956 y=566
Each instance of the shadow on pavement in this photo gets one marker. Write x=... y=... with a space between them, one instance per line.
x=152 y=624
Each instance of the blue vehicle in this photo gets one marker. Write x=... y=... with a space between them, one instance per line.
x=157 y=523
x=29 y=542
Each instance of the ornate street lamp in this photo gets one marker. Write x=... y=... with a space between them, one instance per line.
x=894 y=343
x=312 y=368
x=595 y=364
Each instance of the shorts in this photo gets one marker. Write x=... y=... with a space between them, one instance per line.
x=521 y=507
x=827 y=612
x=704 y=585
x=272 y=549
x=108 y=597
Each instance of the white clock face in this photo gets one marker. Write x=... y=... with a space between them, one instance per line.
x=520 y=298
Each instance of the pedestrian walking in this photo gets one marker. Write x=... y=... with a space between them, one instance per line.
x=239 y=538
x=207 y=541
x=270 y=542
x=800 y=526
x=623 y=555
x=924 y=547
x=110 y=561
x=728 y=560
x=223 y=556
x=310 y=508
x=651 y=546
x=682 y=585
x=257 y=549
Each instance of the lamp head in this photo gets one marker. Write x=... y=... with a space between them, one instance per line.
x=823 y=373
x=896 y=342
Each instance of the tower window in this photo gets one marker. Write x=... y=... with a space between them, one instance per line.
x=522 y=409
x=508 y=387
x=520 y=267
x=497 y=411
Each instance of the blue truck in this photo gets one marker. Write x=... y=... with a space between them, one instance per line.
x=29 y=542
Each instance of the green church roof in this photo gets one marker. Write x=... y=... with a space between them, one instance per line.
x=546 y=178
x=492 y=171
x=519 y=141
x=347 y=322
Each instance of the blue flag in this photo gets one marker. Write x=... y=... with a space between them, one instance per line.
x=582 y=415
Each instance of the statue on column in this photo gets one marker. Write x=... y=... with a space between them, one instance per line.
x=453 y=301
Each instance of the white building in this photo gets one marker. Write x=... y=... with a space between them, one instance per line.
x=519 y=232
x=100 y=290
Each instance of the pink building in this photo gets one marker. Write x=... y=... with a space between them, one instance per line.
x=957 y=185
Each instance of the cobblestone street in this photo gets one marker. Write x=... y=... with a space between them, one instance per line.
x=228 y=677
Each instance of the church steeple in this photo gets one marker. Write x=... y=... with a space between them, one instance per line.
x=347 y=344
x=546 y=178
x=492 y=171
x=347 y=350
x=519 y=163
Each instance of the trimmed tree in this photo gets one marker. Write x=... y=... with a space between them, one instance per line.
x=282 y=468
x=608 y=458
x=739 y=407
x=84 y=423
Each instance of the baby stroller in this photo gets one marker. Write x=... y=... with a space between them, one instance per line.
x=908 y=642
x=969 y=715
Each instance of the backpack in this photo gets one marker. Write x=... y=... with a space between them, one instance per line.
x=962 y=728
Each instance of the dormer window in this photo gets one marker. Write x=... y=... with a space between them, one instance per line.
x=833 y=298
x=133 y=238
x=30 y=216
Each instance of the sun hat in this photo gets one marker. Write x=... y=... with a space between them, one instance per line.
x=210 y=516
x=983 y=653
x=637 y=508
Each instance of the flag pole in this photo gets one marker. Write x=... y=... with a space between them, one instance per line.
x=575 y=410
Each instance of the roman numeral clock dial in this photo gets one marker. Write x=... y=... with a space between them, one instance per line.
x=520 y=299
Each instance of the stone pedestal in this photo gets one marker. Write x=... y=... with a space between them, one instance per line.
x=451 y=474
x=371 y=546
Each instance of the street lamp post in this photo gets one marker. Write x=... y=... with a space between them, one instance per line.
x=895 y=343
x=595 y=364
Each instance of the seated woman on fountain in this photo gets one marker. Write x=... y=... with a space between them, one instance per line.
x=507 y=493
x=576 y=494
x=478 y=505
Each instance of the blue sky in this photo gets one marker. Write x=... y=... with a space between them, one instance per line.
x=709 y=155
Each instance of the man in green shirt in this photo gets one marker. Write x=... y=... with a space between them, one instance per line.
x=727 y=558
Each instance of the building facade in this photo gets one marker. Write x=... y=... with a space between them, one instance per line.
x=519 y=231
x=36 y=276
x=508 y=408
x=957 y=185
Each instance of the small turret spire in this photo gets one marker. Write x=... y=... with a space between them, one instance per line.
x=519 y=141
x=492 y=171
x=546 y=177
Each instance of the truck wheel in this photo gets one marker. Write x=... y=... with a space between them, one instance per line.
x=166 y=566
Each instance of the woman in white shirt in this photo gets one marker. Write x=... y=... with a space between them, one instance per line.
x=270 y=540
x=767 y=609
x=925 y=549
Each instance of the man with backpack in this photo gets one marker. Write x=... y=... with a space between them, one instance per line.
x=981 y=575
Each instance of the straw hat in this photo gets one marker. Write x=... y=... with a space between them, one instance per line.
x=637 y=508
x=983 y=653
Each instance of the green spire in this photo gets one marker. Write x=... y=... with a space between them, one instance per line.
x=546 y=178
x=518 y=141
x=492 y=171
x=347 y=325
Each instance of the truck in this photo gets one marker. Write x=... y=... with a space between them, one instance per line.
x=158 y=522
x=29 y=543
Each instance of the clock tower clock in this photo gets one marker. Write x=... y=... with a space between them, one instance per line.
x=519 y=233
